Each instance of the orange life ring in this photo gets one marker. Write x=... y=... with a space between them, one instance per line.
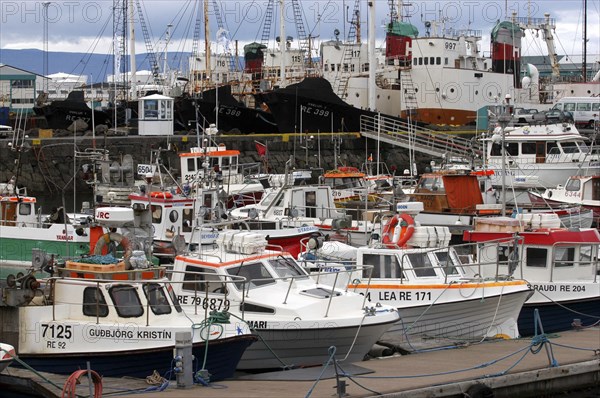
x=393 y=239
x=161 y=195
x=119 y=239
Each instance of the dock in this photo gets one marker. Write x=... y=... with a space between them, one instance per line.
x=526 y=367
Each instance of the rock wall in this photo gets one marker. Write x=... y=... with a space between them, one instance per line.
x=47 y=166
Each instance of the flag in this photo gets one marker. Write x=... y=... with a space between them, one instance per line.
x=261 y=149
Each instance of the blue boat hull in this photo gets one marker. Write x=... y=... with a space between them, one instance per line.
x=223 y=357
x=558 y=318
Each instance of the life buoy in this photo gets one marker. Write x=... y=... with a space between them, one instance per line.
x=161 y=195
x=119 y=239
x=395 y=234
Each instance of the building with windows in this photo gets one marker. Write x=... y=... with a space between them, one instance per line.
x=18 y=88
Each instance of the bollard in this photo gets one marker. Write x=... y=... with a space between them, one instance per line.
x=183 y=360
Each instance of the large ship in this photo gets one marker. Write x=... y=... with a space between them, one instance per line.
x=440 y=77
x=67 y=113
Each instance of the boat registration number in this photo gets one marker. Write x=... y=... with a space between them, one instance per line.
x=559 y=288
x=390 y=295
x=211 y=303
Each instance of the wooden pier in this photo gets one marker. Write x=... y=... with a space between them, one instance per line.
x=522 y=367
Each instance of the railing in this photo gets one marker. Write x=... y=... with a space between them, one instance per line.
x=418 y=138
x=203 y=294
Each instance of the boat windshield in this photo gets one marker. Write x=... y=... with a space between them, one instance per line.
x=432 y=183
x=269 y=198
x=285 y=267
x=157 y=298
x=584 y=147
x=570 y=147
x=573 y=184
x=256 y=275
x=447 y=262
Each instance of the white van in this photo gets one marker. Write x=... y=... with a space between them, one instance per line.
x=584 y=109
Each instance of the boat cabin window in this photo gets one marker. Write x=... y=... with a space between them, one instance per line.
x=584 y=148
x=511 y=149
x=94 y=303
x=384 y=266
x=272 y=197
x=587 y=256
x=433 y=184
x=573 y=185
x=187 y=219
x=225 y=162
x=25 y=209
x=191 y=164
x=127 y=302
x=570 y=147
x=528 y=148
x=496 y=149
x=447 y=263
x=536 y=257
x=421 y=264
x=156 y=214
x=285 y=266
x=346 y=182
x=255 y=273
x=155 y=294
x=552 y=148
x=198 y=279
x=564 y=256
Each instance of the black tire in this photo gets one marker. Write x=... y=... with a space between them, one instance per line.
x=479 y=390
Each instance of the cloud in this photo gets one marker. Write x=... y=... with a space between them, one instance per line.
x=87 y=26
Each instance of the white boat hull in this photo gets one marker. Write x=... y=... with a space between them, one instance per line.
x=464 y=310
x=292 y=345
x=6 y=355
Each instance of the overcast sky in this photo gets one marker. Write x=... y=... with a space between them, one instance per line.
x=87 y=26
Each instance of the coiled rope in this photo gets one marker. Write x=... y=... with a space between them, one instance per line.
x=71 y=384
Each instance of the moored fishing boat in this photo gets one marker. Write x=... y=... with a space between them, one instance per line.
x=436 y=287
x=23 y=228
x=304 y=206
x=578 y=190
x=543 y=155
x=115 y=310
x=123 y=322
x=217 y=163
x=561 y=264
x=297 y=319
x=454 y=198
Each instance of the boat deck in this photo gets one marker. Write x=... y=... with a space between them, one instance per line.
x=510 y=367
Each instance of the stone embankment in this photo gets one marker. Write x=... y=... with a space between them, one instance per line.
x=50 y=165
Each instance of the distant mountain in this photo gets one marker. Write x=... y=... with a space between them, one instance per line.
x=98 y=66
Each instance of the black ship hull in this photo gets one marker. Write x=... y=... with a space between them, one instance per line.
x=312 y=106
x=233 y=116
x=62 y=114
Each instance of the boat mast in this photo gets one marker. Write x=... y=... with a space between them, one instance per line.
x=584 y=69
x=132 y=51
x=372 y=57
x=282 y=42
x=207 y=42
